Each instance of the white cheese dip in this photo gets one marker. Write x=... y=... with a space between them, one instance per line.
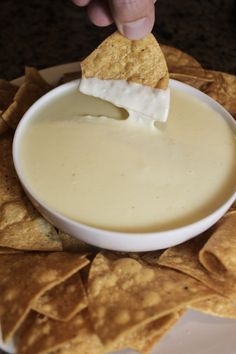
x=118 y=175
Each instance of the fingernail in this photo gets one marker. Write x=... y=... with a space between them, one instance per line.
x=137 y=29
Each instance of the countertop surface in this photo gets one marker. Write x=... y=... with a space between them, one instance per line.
x=51 y=32
x=46 y=33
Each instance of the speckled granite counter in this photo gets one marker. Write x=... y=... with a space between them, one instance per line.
x=50 y=32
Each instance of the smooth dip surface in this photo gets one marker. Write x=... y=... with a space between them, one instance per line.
x=119 y=175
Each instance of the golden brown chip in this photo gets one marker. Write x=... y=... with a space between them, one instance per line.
x=33 y=235
x=197 y=78
x=10 y=188
x=223 y=90
x=33 y=87
x=33 y=76
x=40 y=334
x=16 y=211
x=7 y=250
x=3 y=125
x=63 y=301
x=26 y=95
x=72 y=244
x=184 y=258
x=7 y=92
x=118 y=58
x=144 y=338
x=216 y=305
x=25 y=277
x=218 y=255
x=126 y=293
x=67 y=77
x=175 y=58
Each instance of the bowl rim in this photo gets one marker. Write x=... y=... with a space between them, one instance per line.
x=174 y=84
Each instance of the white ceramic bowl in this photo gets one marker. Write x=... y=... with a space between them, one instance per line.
x=112 y=240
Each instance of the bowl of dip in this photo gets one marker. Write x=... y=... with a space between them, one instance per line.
x=124 y=186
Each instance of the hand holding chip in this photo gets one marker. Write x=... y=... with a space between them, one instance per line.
x=134 y=19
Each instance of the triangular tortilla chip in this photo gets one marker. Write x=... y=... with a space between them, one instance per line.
x=216 y=305
x=118 y=58
x=218 y=255
x=184 y=258
x=72 y=244
x=25 y=277
x=7 y=92
x=144 y=338
x=15 y=211
x=40 y=334
x=33 y=87
x=63 y=301
x=10 y=188
x=223 y=90
x=32 y=235
x=3 y=125
x=114 y=283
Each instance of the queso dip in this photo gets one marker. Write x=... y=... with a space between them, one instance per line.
x=84 y=158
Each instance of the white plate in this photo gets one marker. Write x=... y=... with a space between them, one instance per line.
x=195 y=333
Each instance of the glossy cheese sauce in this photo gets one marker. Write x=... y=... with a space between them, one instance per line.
x=82 y=157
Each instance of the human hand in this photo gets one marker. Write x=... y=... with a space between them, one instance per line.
x=133 y=18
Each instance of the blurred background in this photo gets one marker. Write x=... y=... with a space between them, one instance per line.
x=43 y=33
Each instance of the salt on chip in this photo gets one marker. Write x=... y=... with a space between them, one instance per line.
x=216 y=305
x=25 y=277
x=63 y=301
x=10 y=188
x=118 y=58
x=218 y=255
x=184 y=258
x=127 y=294
x=40 y=334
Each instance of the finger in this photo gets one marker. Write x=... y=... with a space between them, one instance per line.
x=134 y=18
x=99 y=13
x=81 y=2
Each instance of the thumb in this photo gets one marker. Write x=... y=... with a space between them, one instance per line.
x=133 y=18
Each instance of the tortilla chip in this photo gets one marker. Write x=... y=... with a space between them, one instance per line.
x=7 y=92
x=116 y=281
x=10 y=188
x=219 y=253
x=33 y=87
x=67 y=77
x=16 y=211
x=26 y=95
x=7 y=250
x=184 y=258
x=63 y=301
x=3 y=125
x=223 y=90
x=72 y=244
x=144 y=338
x=176 y=58
x=216 y=305
x=33 y=235
x=40 y=334
x=25 y=277
x=118 y=58
x=33 y=76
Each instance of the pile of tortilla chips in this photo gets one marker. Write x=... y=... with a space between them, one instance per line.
x=61 y=296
